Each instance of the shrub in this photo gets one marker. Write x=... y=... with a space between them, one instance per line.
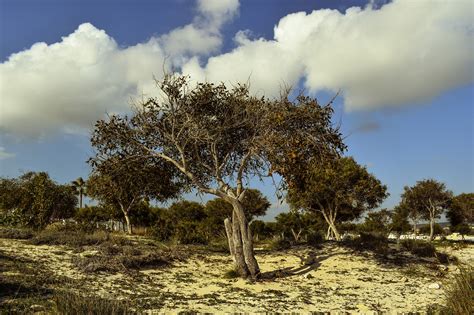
x=67 y=302
x=369 y=241
x=74 y=238
x=231 y=274
x=279 y=244
x=460 y=293
x=419 y=248
x=16 y=233
x=314 y=239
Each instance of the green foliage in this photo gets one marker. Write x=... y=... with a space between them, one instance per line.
x=463 y=229
x=400 y=222
x=429 y=198
x=437 y=229
x=339 y=189
x=378 y=222
x=279 y=244
x=461 y=210
x=295 y=224
x=35 y=200
x=375 y=242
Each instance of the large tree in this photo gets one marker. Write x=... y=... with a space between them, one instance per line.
x=400 y=222
x=123 y=184
x=340 y=190
x=37 y=199
x=429 y=198
x=218 y=137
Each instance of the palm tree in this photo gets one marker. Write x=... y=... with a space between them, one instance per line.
x=79 y=186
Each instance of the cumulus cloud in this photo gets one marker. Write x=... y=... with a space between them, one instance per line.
x=4 y=154
x=403 y=52
x=68 y=85
x=393 y=54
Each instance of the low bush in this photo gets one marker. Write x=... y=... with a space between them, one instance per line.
x=369 y=241
x=231 y=274
x=113 y=257
x=16 y=233
x=74 y=238
x=67 y=302
x=279 y=244
x=419 y=248
x=314 y=239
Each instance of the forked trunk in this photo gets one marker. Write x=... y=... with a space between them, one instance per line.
x=240 y=240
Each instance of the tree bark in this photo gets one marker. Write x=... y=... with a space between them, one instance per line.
x=228 y=232
x=80 y=199
x=127 y=218
x=239 y=256
x=432 y=221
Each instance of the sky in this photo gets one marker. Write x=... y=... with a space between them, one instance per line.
x=405 y=70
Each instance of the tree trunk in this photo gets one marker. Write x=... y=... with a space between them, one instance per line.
x=80 y=200
x=129 y=225
x=432 y=221
x=239 y=256
x=242 y=239
x=228 y=232
x=337 y=236
x=328 y=234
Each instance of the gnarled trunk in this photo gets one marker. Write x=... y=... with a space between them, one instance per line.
x=127 y=218
x=241 y=246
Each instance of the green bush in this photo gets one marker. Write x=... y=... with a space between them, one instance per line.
x=314 y=239
x=369 y=241
x=74 y=238
x=279 y=244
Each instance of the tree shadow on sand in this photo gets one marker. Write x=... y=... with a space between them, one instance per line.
x=309 y=263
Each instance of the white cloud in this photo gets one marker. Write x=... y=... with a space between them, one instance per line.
x=68 y=85
x=4 y=154
x=405 y=52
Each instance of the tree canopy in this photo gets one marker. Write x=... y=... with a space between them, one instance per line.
x=339 y=190
x=429 y=198
x=37 y=199
x=218 y=137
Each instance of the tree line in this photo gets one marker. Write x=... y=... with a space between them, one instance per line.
x=213 y=139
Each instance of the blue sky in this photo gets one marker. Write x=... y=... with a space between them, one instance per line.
x=405 y=68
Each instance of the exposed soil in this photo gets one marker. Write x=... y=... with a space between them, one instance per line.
x=302 y=279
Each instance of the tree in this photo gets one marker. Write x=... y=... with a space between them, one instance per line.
x=296 y=224
x=340 y=190
x=124 y=184
x=378 y=222
x=79 y=186
x=400 y=222
x=217 y=137
x=461 y=209
x=37 y=199
x=429 y=198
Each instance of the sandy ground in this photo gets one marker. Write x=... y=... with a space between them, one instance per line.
x=337 y=281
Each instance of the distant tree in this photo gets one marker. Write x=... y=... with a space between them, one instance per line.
x=188 y=221
x=461 y=210
x=124 y=184
x=429 y=198
x=437 y=229
x=37 y=199
x=378 y=222
x=297 y=225
x=400 y=222
x=79 y=186
x=340 y=190
x=217 y=137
